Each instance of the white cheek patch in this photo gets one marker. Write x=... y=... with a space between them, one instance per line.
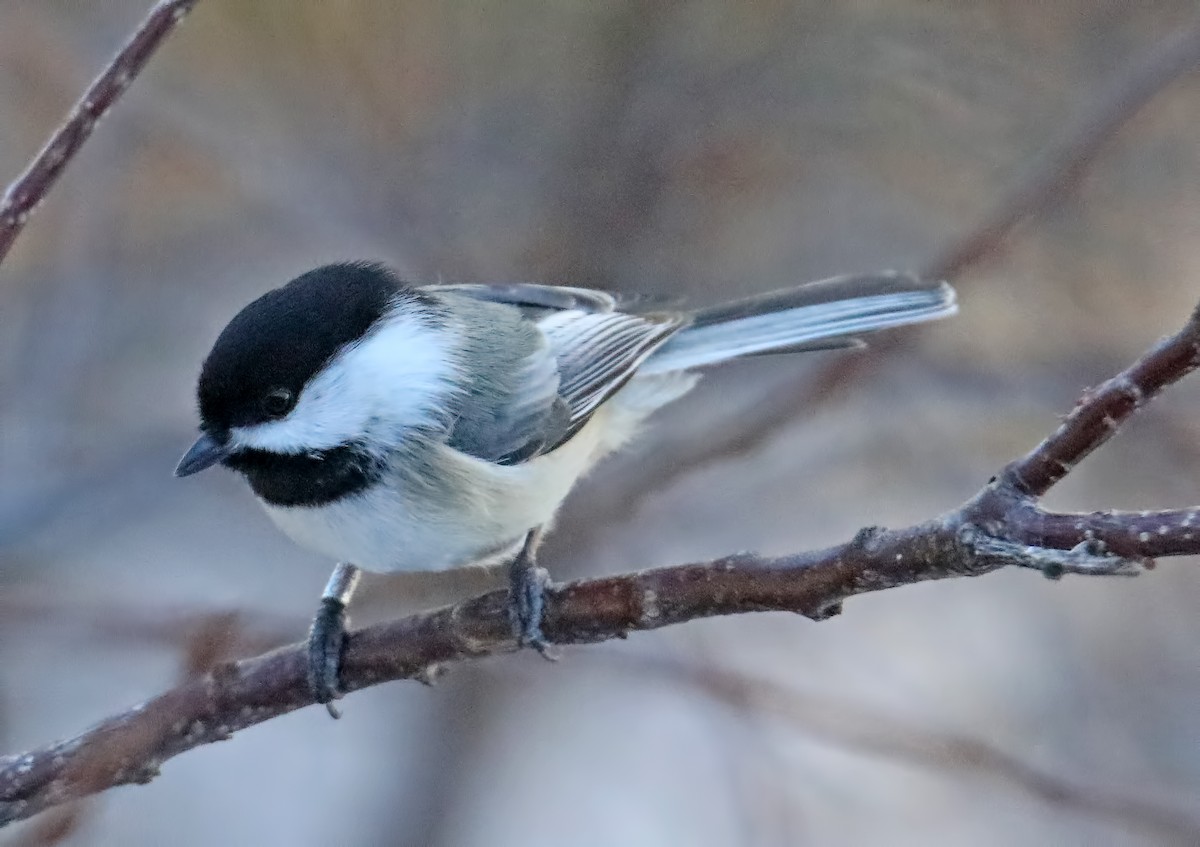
x=395 y=378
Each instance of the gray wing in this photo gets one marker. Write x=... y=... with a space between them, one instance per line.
x=597 y=354
x=564 y=352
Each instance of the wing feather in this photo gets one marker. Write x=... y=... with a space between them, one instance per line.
x=598 y=353
x=591 y=350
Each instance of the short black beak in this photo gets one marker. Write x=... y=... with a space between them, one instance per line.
x=205 y=453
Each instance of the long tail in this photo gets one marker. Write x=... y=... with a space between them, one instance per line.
x=817 y=316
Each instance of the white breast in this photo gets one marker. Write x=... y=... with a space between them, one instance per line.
x=389 y=527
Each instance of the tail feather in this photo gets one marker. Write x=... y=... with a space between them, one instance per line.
x=818 y=316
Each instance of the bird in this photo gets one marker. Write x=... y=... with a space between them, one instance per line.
x=400 y=427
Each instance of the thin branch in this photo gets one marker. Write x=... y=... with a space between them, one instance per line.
x=1000 y=526
x=1167 y=532
x=23 y=196
x=1101 y=412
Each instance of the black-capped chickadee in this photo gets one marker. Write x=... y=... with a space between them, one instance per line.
x=399 y=427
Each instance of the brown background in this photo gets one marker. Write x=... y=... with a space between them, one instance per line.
x=696 y=148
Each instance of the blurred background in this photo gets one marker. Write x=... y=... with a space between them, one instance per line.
x=674 y=148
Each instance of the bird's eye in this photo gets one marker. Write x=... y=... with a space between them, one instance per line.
x=278 y=402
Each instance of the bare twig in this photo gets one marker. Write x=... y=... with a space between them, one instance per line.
x=1102 y=411
x=1001 y=525
x=23 y=196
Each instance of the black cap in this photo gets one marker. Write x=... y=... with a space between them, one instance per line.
x=274 y=346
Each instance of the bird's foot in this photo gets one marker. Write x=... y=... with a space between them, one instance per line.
x=527 y=598
x=526 y=605
x=327 y=638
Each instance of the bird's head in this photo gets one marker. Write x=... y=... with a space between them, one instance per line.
x=342 y=356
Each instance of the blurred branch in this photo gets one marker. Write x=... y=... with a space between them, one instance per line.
x=878 y=733
x=1064 y=164
x=203 y=638
x=1047 y=183
x=60 y=825
x=23 y=196
x=1001 y=525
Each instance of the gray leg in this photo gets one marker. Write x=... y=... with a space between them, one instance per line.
x=327 y=637
x=527 y=589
